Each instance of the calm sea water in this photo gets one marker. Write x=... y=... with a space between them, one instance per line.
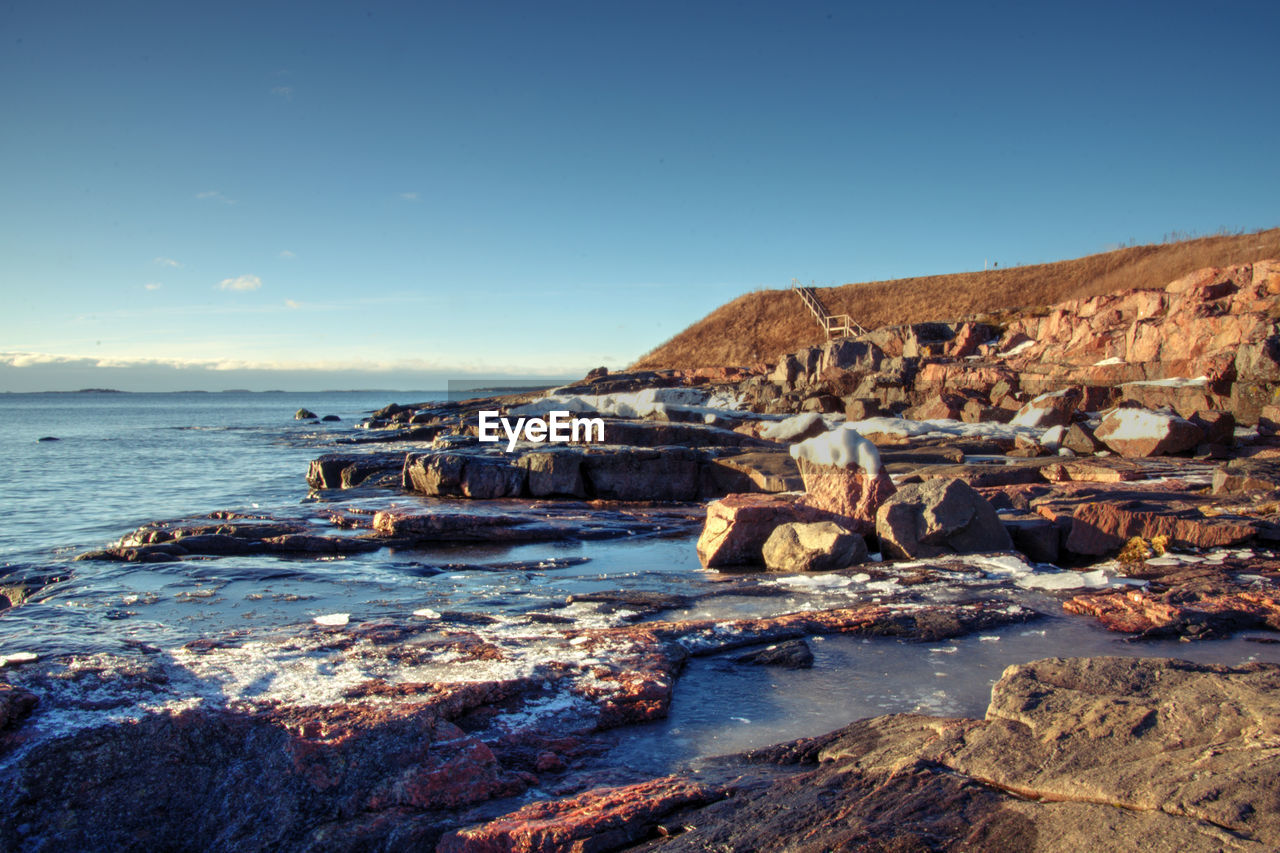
x=125 y=459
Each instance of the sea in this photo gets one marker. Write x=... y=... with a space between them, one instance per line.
x=121 y=460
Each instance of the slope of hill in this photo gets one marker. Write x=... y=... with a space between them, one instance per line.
x=764 y=324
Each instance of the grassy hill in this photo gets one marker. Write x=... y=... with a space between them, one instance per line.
x=764 y=324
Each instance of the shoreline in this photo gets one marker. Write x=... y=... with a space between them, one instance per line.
x=492 y=725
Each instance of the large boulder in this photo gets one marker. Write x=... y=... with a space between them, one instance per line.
x=938 y=517
x=1048 y=410
x=943 y=406
x=737 y=527
x=815 y=547
x=1139 y=432
x=842 y=475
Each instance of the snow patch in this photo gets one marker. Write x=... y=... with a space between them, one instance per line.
x=1139 y=424
x=1174 y=382
x=843 y=448
x=941 y=428
x=637 y=404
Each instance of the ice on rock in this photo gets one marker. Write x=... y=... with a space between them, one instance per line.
x=1173 y=382
x=333 y=620
x=942 y=428
x=17 y=658
x=637 y=404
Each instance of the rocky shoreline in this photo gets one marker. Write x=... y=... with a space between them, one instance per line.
x=1116 y=456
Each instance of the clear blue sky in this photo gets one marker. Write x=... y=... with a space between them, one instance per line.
x=431 y=190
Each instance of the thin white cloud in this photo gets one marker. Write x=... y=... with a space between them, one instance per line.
x=153 y=285
x=241 y=283
x=166 y=262
x=286 y=255
x=409 y=196
x=282 y=91
x=41 y=359
x=214 y=195
x=290 y=303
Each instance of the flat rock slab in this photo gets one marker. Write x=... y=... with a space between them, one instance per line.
x=769 y=471
x=1074 y=754
x=1194 y=601
x=524 y=521
x=171 y=541
x=1104 y=516
x=1247 y=475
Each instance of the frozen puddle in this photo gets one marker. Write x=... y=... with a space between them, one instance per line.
x=720 y=707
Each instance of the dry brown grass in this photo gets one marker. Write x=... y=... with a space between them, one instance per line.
x=764 y=324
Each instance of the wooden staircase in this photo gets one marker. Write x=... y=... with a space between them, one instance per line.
x=835 y=325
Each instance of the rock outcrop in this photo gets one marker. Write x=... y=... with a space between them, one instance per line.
x=1074 y=754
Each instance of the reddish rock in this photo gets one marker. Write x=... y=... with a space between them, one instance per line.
x=944 y=406
x=603 y=819
x=1138 y=432
x=1197 y=616
x=974 y=412
x=850 y=493
x=1094 y=470
x=1079 y=439
x=967 y=340
x=1193 y=281
x=1266 y=277
x=939 y=517
x=1104 y=527
x=1246 y=475
x=737 y=526
x=1196 y=600
x=1051 y=409
x=1181 y=398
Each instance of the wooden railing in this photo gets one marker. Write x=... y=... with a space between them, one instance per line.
x=835 y=325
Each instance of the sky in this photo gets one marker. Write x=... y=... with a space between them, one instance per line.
x=390 y=195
